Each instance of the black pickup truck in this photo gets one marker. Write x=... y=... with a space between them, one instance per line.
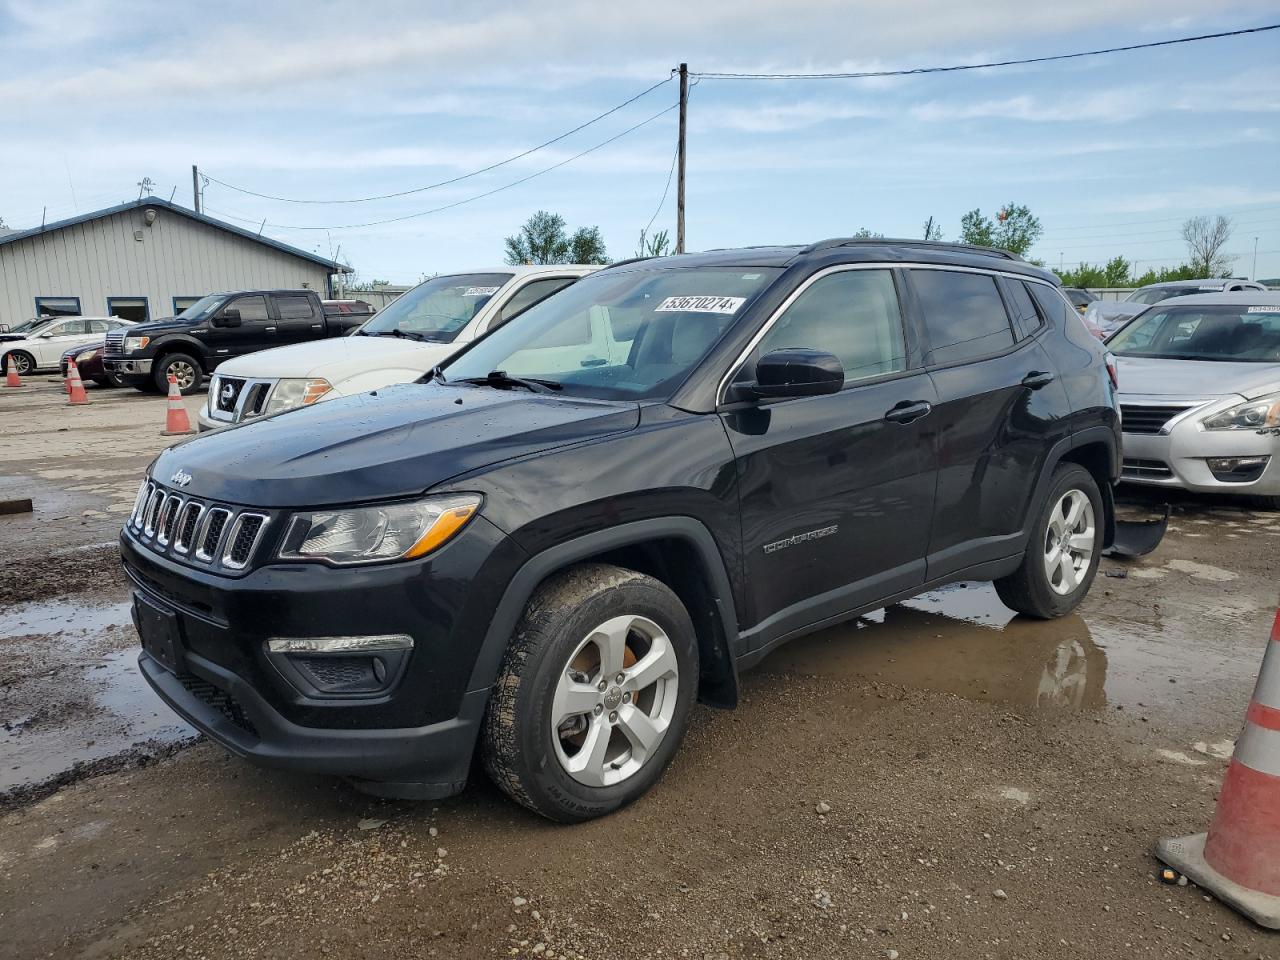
x=217 y=328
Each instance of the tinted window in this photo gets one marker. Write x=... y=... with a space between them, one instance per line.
x=251 y=308
x=963 y=314
x=853 y=314
x=1025 y=318
x=1052 y=304
x=527 y=296
x=294 y=308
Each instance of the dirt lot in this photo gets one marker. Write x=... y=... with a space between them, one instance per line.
x=994 y=785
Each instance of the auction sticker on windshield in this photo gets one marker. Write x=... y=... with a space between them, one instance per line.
x=479 y=291
x=1264 y=309
x=700 y=305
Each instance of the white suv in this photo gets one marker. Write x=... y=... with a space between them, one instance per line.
x=407 y=339
x=44 y=345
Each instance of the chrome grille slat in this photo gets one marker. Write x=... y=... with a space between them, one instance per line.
x=187 y=526
x=242 y=538
x=194 y=530
x=153 y=512
x=211 y=533
x=168 y=514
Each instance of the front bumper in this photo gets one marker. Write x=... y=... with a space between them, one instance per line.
x=1179 y=456
x=140 y=368
x=416 y=736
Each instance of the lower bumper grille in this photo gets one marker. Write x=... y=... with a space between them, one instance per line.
x=219 y=699
x=1146 y=470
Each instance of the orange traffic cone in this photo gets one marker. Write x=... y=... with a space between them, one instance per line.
x=177 y=423
x=1238 y=860
x=76 y=394
x=11 y=379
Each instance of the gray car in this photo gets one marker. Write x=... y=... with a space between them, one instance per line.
x=1200 y=394
x=1110 y=315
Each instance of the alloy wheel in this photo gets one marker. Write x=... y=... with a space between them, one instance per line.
x=614 y=700
x=1069 y=541
x=184 y=373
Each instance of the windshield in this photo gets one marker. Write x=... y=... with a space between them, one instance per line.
x=1151 y=295
x=30 y=326
x=628 y=335
x=438 y=309
x=202 y=308
x=1238 y=333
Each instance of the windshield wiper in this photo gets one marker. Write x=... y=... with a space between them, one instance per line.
x=396 y=332
x=500 y=379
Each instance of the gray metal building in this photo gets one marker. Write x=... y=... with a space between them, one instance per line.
x=143 y=260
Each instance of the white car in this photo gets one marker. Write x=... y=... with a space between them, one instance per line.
x=408 y=338
x=42 y=349
x=1200 y=394
x=1105 y=317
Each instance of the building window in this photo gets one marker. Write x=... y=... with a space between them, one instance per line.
x=57 y=306
x=129 y=308
x=181 y=303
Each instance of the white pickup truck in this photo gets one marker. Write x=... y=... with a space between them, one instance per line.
x=417 y=331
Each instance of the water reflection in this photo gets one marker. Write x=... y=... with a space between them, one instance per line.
x=977 y=649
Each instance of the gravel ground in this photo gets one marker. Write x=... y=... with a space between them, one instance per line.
x=936 y=779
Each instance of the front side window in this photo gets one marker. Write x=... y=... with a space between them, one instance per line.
x=1221 y=332
x=853 y=314
x=251 y=308
x=963 y=314
x=70 y=328
x=438 y=309
x=628 y=334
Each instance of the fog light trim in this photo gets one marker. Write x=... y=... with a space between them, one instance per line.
x=378 y=643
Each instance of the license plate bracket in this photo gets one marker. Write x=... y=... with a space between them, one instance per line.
x=158 y=628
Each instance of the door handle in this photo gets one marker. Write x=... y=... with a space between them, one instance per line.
x=269 y=329
x=908 y=410
x=1037 y=379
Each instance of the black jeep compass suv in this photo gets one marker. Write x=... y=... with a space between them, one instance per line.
x=605 y=509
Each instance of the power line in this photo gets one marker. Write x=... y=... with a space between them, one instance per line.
x=1134 y=263
x=865 y=74
x=1132 y=223
x=458 y=203
x=453 y=180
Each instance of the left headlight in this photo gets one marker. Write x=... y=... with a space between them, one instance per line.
x=86 y=356
x=289 y=394
x=135 y=343
x=392 y=531
x=1260 y=414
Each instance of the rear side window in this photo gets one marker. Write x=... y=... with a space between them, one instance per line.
x=963 y=315
x=1052 y=305
x=295 y=308
x=1026 y=320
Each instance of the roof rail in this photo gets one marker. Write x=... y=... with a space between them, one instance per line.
x=623 y=263
x=835 y=242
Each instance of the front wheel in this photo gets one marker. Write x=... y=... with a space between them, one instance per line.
x=24 y=362
x=185 y=368
x=594 y=694
x=1063 y=553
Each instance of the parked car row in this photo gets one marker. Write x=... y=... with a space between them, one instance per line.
x=585 y=514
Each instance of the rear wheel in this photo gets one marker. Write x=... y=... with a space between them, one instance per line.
x=1063 y=552
x=185 y=369
x=594 y=695
x=23 y=361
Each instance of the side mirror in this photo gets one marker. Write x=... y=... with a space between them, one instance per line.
x=798 y=372
x=230 y=317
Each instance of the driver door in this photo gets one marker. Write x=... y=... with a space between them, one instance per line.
x=836 y=491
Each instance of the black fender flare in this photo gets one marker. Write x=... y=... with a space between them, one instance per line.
x=1099 y=434
x=541 y=565
x=180 y=343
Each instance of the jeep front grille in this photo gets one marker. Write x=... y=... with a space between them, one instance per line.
x=194 y=530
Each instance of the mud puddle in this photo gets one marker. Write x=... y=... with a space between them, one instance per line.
x=71 y=695
x=963 y=640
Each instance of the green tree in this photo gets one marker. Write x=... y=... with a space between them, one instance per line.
x=1015 y=228
x=587 y=246
x=658 y=245
x=543 y=239
x=865 y=234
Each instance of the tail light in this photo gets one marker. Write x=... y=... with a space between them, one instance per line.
x=1113 y=372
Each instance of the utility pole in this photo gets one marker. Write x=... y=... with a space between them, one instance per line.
x=684 y=103
x=1254 y=275
x=195 y=188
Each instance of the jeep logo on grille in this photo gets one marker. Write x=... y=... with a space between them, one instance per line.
x=181 y=478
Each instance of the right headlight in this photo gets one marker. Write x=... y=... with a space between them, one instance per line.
x=1260 y=414
x=135 y=343
x=389 y=531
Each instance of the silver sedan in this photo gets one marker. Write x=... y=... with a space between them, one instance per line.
x=1200 y=394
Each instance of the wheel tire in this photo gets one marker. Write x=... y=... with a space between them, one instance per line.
x=187 y=369
x=109 y=380
x=521 y=751
x=1029 y=590
x=24 y=361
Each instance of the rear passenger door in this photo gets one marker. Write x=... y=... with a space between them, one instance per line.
x=1001 y=407
x=298 y=319
x=836 y=491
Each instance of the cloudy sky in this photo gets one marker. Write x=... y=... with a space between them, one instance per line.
x=339 y=101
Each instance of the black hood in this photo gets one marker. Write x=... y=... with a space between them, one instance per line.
x=161 y=325
x=398 y=441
